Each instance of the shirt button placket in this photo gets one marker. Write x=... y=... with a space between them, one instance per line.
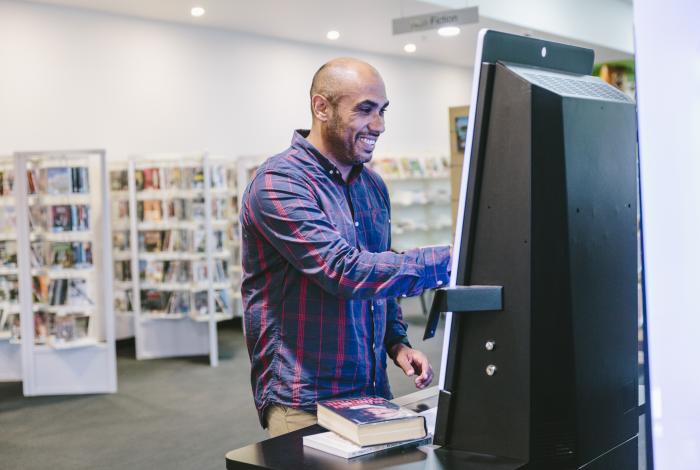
x=374 y=350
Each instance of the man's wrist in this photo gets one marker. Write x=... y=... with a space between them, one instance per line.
x=394 y=344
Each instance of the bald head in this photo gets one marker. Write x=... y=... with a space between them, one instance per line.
x=348 y=101
x=340 y=76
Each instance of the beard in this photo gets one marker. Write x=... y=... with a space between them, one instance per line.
x=342 y=144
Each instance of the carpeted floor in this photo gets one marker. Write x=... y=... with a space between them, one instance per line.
x=169 y=413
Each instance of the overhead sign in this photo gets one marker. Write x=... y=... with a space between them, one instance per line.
x=440 y=19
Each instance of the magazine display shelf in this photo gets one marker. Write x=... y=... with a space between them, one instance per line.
x=121 y=251
x=184 y=244
x=10 y=350
x=419 y=190
x=65 y=291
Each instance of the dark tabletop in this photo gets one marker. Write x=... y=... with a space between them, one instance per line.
x=287 y=452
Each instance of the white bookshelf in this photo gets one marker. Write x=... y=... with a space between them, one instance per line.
x=65 y=288
x=183 y=243
x=10 y=350
x=121 y=250
x=419 y=190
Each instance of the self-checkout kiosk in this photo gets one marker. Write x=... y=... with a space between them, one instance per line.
x=540 y=357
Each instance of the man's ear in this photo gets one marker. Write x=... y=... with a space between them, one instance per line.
x=321 y=108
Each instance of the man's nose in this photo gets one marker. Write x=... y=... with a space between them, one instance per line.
x=377 y=124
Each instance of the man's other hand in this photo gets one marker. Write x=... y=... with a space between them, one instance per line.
x=413 y=363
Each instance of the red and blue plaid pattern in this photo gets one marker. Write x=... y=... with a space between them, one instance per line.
x=319 y=284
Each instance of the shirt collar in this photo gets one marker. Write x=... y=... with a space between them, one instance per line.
x=299 y=141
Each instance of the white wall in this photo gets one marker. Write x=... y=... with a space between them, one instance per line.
x=668 y=76
x=76 y=79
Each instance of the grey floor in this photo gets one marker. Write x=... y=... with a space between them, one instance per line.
x=174 y=413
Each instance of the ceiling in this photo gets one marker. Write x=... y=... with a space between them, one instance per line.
x=364 y=25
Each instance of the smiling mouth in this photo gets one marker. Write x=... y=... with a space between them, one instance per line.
x=368 y=141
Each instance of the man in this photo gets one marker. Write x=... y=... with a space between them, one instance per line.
x=320 y=284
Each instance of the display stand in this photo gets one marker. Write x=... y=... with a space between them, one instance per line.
x=181 y=231
x=65 y=288
x=419 y=191
x=121 y=254
x=10 y=350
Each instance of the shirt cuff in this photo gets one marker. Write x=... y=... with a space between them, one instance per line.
x=396 y=340
x=437 y=266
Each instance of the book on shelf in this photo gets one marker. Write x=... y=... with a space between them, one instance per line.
x=79 y=177
x=200 y=241
x=40 y=289
x=370 y=420
x=179 y=302
x=9 y=288
x=122 y=301
x=8 y=253
x=178 y=209
x=151 y=178
x=332 y=443
x=150 y=211
x=218 y=176
x=222 y=301
x=120 y=240
x=63 y=180
x=201 y=304
x=153 y=300
x=173 y=178
x=198 y=178
x=43 y=326
x=120 y=209
x=177 y=271
x=119 y=180
x=388 y=167
x=66 y=218
x=198 y=209
x=69 y=328
x=71 y=254
x=10 y=324
x=71 y=292
x=58 y=180
x=8 y=219
x=151 y=271
x=122 y=270
x=7 y=180
x=151 y=241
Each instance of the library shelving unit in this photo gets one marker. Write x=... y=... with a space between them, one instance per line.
x=182 y=242
x=10 y=351
x=65 y=290
x=121 y=254
x=419 y=190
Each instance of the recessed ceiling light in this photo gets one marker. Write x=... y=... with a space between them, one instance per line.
x=197 y=11
x=449 y=31
x=410 y=48
x=332 y=35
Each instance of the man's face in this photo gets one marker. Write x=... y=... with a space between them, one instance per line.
x=356 y=121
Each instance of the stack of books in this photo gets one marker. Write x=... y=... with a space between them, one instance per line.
x=360 y=426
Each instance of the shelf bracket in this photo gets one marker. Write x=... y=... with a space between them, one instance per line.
x=462 y=299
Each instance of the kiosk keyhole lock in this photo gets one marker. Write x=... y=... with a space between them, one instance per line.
x=462 y=299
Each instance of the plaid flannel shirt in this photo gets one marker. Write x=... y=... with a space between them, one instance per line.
x=319 y=284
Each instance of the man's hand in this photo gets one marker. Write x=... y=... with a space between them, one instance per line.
x=413 y=362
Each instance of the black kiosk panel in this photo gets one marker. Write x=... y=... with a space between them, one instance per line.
x=551 y=215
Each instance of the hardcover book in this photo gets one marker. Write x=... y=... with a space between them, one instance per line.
x=370 y=420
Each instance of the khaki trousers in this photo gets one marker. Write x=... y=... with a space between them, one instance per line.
x=281 y=420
